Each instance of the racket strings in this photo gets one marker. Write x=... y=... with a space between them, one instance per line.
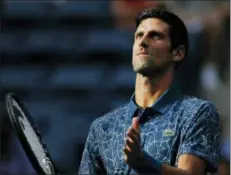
x=34 y=141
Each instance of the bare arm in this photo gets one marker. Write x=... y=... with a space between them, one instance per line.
x=187 y=165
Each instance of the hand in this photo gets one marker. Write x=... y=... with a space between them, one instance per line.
x=132 y=150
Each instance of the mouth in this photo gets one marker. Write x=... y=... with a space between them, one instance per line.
x=143 y=53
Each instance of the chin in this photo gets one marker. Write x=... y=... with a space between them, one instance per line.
x=145 y=71
x=150 y=70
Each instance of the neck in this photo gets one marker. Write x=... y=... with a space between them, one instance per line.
x=149 y=89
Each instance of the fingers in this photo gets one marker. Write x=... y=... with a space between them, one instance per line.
x=132 y=141
x=134 y=136
x=127 y=154
x=135 y=124
x=130 y=145
x=127 y=151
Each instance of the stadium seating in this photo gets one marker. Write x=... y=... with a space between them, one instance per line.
x=68 y=65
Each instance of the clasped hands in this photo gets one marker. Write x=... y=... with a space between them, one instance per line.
x=133 y=153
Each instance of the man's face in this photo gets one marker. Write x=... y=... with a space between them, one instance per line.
x=152 y=47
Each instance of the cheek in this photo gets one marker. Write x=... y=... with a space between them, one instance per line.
x=160 y=49
x=134 y=50
x=134 y=47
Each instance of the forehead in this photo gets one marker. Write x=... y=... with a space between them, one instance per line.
x=151 y=24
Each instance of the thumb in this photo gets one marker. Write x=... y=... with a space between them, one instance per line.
x=135 y=124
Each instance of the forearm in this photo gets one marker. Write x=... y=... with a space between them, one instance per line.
x=170 y=170
x=149 y=168
x=148 y=165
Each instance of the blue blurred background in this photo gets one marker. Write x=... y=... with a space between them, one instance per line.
x=70 y=62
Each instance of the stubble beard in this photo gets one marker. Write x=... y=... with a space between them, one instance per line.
x=151 y=69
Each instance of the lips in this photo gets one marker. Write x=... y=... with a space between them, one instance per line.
x=143 y=53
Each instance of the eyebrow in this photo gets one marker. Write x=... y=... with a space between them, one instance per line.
x=162 y=34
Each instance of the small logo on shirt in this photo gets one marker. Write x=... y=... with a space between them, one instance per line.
x=168 y=132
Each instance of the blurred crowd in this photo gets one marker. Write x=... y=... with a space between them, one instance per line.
x=205 y=73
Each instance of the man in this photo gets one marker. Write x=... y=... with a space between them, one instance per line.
x=159 y=131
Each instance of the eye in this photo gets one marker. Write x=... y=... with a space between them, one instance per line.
x=138 y=35
x=155 y=35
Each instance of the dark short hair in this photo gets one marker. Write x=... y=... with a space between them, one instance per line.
x=177 y=31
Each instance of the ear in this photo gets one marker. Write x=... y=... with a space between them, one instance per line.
x=178 y=53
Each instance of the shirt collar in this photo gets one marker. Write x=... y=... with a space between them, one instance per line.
x=162 y=103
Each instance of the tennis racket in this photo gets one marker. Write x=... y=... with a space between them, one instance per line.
x=29 y=136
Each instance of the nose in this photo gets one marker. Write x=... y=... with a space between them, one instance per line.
x=144 y=43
